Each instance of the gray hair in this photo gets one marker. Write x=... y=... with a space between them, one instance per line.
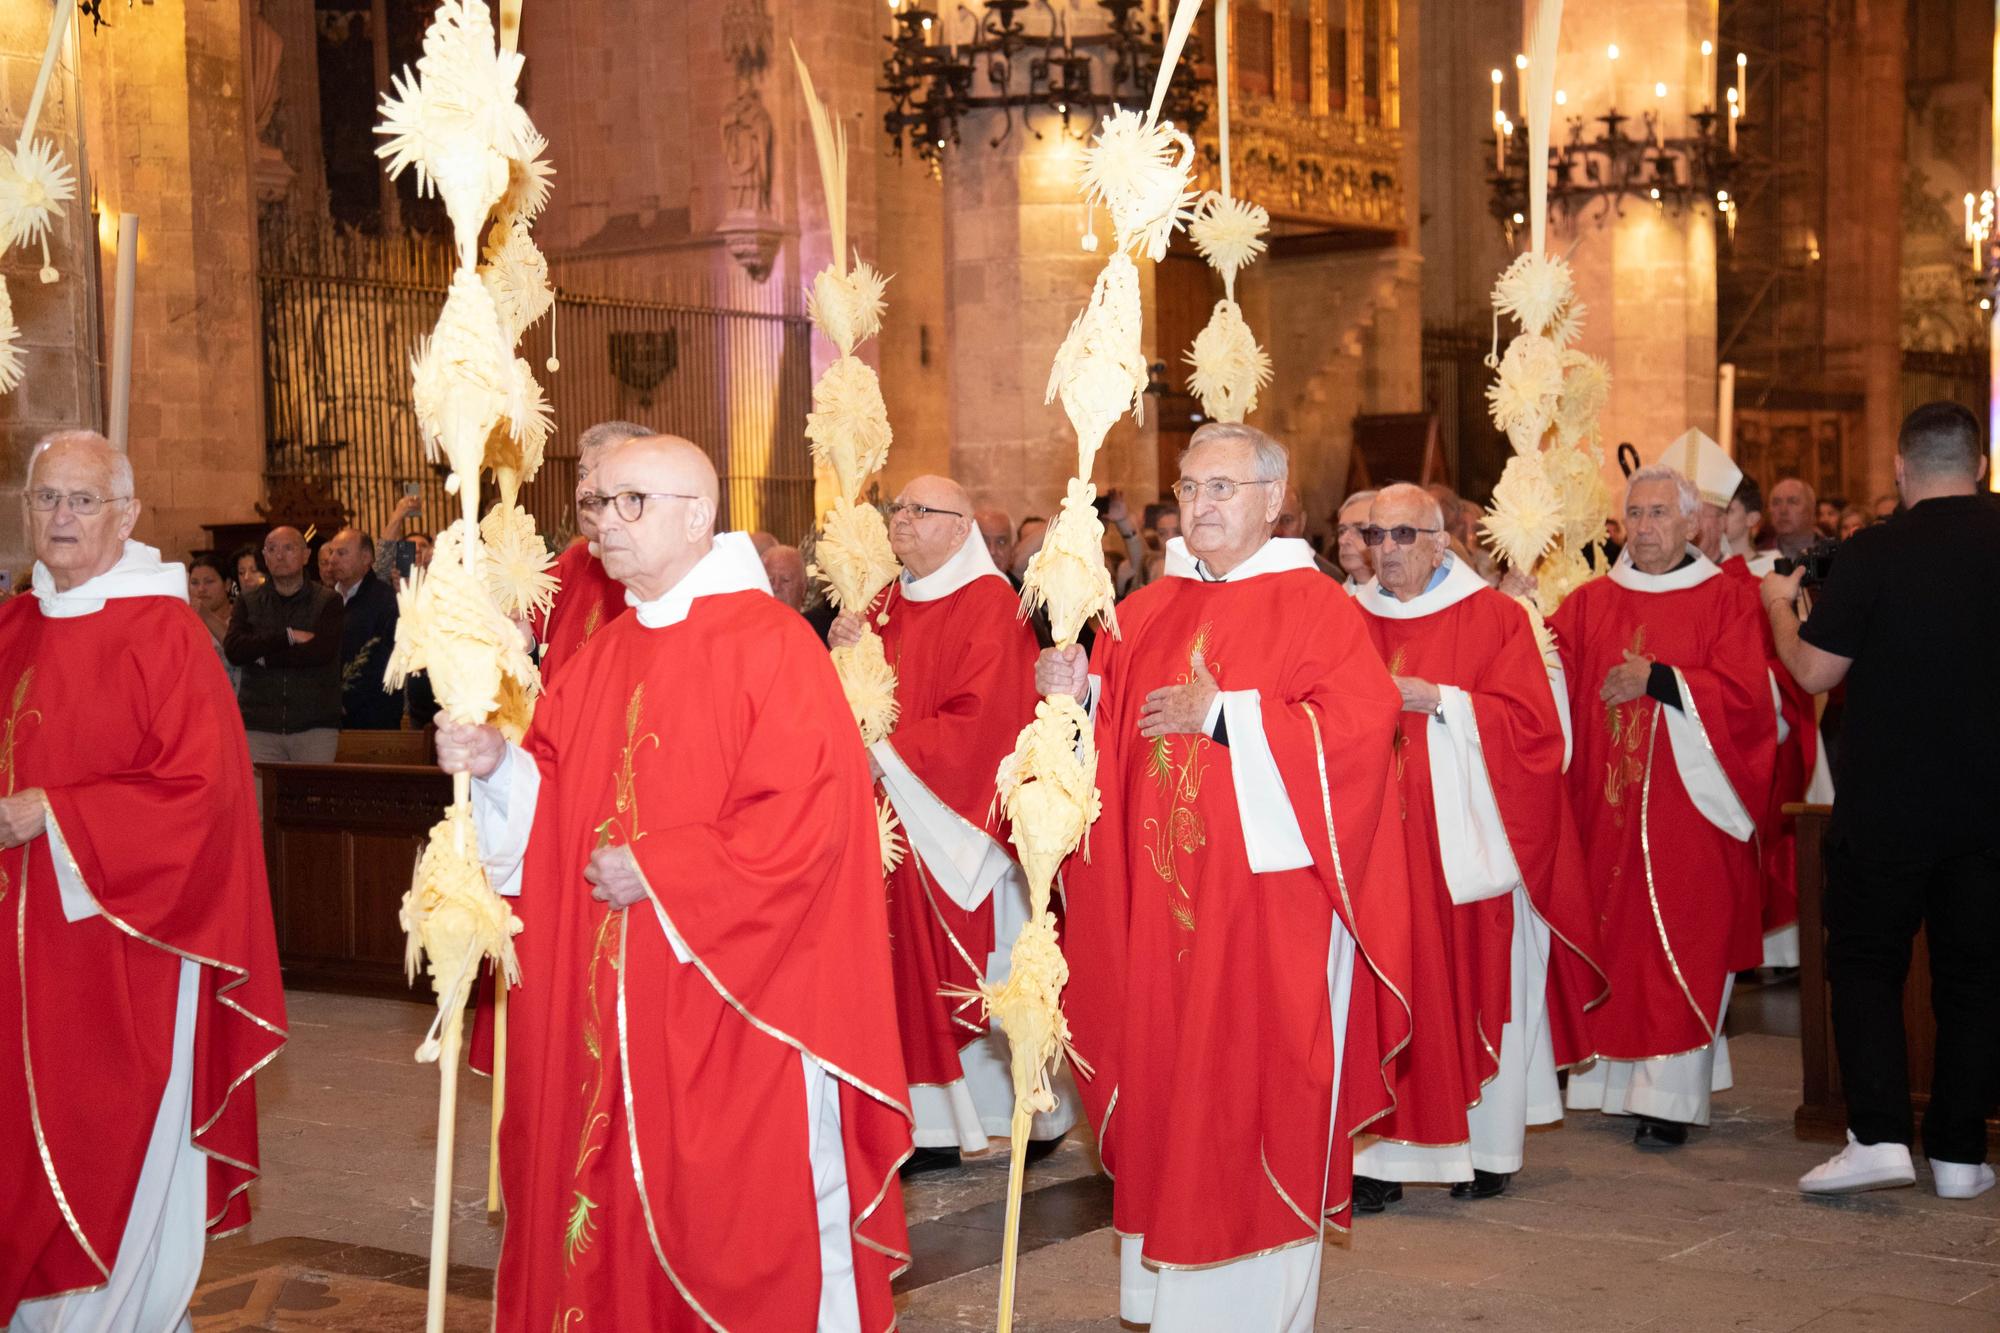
x=1430 y=502
x=1690 y=497
x=1359 y=497
x=121 y=466
x=1270 y=460
x=607 y=433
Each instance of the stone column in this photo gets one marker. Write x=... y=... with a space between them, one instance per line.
x=1647 y=277
x=169 y=133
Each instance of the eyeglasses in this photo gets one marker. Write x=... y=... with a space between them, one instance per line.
x=1217 y=489
x=1350 y=529
x=1402 y=532
x=898 y=508
x=629 y=505
x=81 y=503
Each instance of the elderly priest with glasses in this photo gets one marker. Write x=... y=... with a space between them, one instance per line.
x=1497 y=887
x=964 y=664
x=1238 y=925
x=709 y=1106
x=1675 y=742
x=139 y=987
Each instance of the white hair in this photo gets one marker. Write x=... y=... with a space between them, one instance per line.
x=1270 y=461
x=1429 y=501
x=121 y=465
x=1358 y=498
x=1690 y=497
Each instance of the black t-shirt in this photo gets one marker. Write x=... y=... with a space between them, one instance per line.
x=1915 y=602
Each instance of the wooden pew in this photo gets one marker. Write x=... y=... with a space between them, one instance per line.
x=1823 y=1112
x=340 y=843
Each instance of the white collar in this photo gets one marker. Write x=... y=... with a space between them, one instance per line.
x=138 y=573
x=1628 y=575
x=972 y=560
x=1279 y=555
x=1460 y=581
x=731 y=565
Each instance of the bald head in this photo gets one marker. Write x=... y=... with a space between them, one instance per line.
x=676 y=491
x=786 y=569
x=930 y=520
x=1412 y=540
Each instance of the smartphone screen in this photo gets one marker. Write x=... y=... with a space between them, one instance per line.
x=406 y=558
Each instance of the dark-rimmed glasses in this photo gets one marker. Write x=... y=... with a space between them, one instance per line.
x=917 y=511
x=1402 y=532
x=628 y=505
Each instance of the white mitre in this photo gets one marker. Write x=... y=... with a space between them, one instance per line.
x=1703 y=462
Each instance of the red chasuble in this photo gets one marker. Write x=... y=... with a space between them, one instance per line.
x=654 y=1152
x=1198 y=989
x=1777 y=831
x=1677 y=896
x=124 y=718
x=1483 y=644
x=587 y=599
x=965 y=686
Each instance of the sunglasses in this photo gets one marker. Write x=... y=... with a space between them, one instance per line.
x=1402 y=532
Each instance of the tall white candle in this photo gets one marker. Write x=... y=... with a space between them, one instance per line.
x=1708 y=76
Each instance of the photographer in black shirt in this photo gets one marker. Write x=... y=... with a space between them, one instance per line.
x=1907 y=616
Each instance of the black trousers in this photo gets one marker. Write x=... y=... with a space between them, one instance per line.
x=1873 y=910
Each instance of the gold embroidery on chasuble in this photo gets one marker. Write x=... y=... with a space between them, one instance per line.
x=10 y=734
x=1175 y=766
x=621 y=827
x=1399 y=744
x=591 y=621
x=1628 y=725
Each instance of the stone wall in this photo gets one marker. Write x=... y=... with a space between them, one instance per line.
x=168 y=135
x=59 y=338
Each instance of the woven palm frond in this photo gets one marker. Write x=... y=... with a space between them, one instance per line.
x=464 y=376
x=1230 y=369
x=1576 y=476
x=12 y=359
x=1068 y=576
x=1526 y=513
x=869 y=683
x=1534 y=290
x=1229 y=233
x=852 y=556
x=452 y=916
x=451 y=628
x=1525 y=394
x=847 y=307
x=517 y=274
x=1140 y=171
x=1100 y=369
x=1047 y=789
x=886 y=827
x=35 y=182
x=528 y=177
x=849 y=424
x=1586 y=388
x=516 y=562
x=1560 y=574
x=520 y=442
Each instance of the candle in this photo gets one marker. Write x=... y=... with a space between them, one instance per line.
x=1708 y=76
x=1611 y=54
x=1499 y=140
x=1521 y=87
x=1742 y=91
x=1734 y=111
x=1971 y=231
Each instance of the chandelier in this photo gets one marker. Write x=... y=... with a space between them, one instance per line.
x=942 y=67
x=1615 y=155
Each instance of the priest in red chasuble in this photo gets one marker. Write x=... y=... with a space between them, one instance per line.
x=1675 y=736
x=139 y=987
x=1496 y=871
x=706 y=1104
x=587 y=598
x=1237 y=925
x=964 y=663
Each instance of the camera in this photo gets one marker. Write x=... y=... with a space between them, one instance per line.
x=1816 y=560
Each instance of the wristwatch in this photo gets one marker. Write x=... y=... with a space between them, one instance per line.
x=1437 y=709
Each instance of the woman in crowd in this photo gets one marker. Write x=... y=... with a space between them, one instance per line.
x=209 y=592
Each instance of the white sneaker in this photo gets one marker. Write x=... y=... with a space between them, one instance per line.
x=1960 y=1180
x=1862 y=1166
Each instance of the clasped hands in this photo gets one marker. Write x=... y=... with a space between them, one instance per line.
x=1171 y=710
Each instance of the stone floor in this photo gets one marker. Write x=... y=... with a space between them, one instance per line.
x=1595 y=1234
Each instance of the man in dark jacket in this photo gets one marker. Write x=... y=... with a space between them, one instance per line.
x=367 y=634
x=286 y=637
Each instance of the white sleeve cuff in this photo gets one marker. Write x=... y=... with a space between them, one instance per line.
x=77 y=904
x=1214 y=714
x=1701 y=768
x=961 y=858
x=1271 y=836
x=503 y=807
x=1473 y=848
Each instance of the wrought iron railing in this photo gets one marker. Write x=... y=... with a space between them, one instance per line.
x=343 y=312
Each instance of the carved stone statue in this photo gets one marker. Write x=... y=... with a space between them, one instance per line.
x=750 y=231
x=266 y=59
x=746 y=150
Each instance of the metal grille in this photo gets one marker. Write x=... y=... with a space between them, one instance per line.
x=343 y=313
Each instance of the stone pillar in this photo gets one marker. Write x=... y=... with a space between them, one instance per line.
x=59 y=388
x=169 y=132
x=1646 y=277
x=294 y=127
x=1866 y=138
